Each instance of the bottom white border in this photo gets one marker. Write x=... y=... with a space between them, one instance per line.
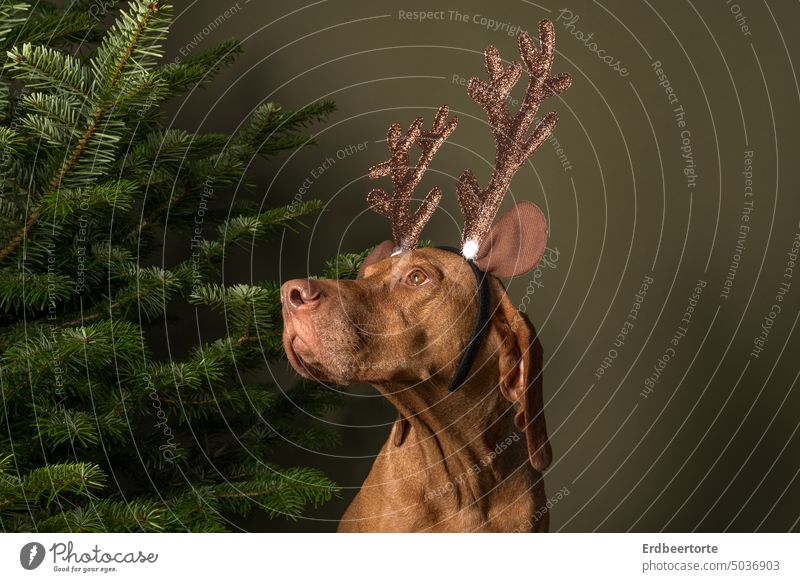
x=401 y=557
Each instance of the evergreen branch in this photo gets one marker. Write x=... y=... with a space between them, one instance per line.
x=63 y=109
x=277 y=491
x=32 y=290
x=14 y=243
x=133 y=38
x=51 y=28
x=50 y=482
x=57 y=426
x=106 y=515
x=154 y=216
x=76 y=152
x=55 y=183
x=249 y=308
x=33 y=218
x=316 y=438
x=64 y=203
x=234 y=230
x=10 y=140
x=144 y=14
x=180 y=76
x=77 y=350
x=151 y=288
x=271 y=128
x=11 y=15
x=43 y=67
x=81 y=519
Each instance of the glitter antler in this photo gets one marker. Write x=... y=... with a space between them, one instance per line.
x=407 y=225
x=479 y=206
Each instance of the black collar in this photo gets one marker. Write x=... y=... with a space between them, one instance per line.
x=481 y=324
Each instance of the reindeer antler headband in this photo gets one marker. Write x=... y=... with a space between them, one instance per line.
x=407 y=226
x=512 y=143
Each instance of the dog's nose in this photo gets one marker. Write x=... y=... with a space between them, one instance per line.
x=300 y=294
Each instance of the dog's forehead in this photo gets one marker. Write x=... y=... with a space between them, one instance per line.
x=444 y=261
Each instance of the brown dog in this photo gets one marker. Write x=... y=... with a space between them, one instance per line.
x=434 y=331
x=454 y=461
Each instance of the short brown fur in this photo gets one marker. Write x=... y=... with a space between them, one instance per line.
x=439 y=470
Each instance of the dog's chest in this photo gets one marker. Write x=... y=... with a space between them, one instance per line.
x=406 y=492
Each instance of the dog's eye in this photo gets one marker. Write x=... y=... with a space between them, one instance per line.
x=416 y=277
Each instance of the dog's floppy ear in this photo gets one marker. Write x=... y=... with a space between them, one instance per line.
x=515 y=243
x=521 y=380
x=380 y=252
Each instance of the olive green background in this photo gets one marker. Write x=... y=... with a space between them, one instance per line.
x=714 y=446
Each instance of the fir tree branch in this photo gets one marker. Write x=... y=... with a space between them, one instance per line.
x=76 y=152
x=96 y=117
x=14 y=243
x=45 y=67
x=51 y=28
x=54 y=184
x=152 y=8
x=153 y=217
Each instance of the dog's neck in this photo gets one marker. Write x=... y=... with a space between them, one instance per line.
x=466 y=438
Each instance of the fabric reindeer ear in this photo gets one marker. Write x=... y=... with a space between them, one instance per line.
x=515 y=243
x=521 y=381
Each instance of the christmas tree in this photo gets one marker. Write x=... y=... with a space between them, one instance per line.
x=99 y=434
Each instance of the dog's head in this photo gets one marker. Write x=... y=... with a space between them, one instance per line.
x=407 y=318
